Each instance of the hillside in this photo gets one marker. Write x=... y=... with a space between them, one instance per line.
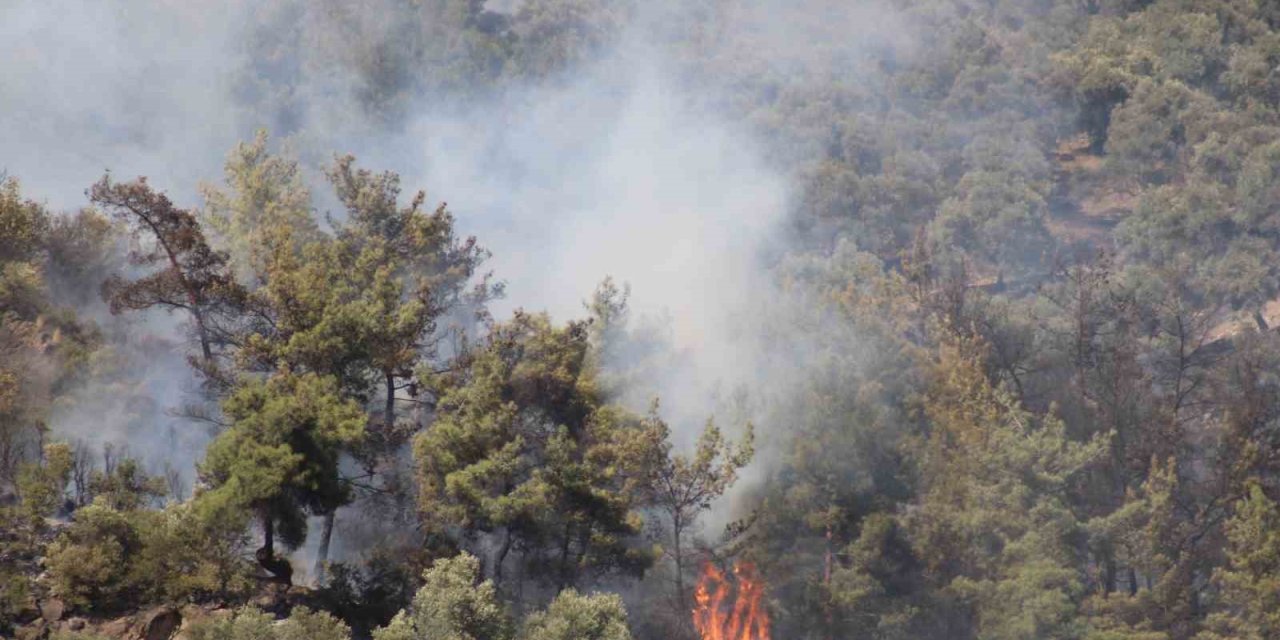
x=608 y=320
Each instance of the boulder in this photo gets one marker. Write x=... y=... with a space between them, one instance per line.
x=117 y=628
x=160 y=624
x=52 y=609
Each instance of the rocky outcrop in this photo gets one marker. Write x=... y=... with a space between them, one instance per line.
x=160 y=624
x=49 y=616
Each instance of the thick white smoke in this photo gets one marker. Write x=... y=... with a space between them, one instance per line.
x=624 y=169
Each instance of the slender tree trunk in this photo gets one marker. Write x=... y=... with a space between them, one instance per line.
x=279 y=568
x=389 y=411
x=205 y=349
x=564 y=556
x=520 y=574
x=1109 y=574
x=322 y=553
x=501 y=558
x=826 y=578
x=268 y=534
x=676 y=526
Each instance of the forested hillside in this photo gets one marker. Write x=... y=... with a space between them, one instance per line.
x=748 y=319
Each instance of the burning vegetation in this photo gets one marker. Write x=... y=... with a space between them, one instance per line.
x=730 y=608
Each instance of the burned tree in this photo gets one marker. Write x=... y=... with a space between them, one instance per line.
x=192 y=277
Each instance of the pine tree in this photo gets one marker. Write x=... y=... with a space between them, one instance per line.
x=190 y=276
x=279 y=458
x=523 y=449
x=1248 y=605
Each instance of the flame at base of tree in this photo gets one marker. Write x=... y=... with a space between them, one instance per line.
x=730 y=609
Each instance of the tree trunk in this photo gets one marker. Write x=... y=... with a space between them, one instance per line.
x=826 y=580
x=564 y=556
x=501 y=558
x=322 y=553
x=205 y=349
x=1109 y=574
x=389 y=411
x=676 y=526
x=279 y=568
x=268 y=534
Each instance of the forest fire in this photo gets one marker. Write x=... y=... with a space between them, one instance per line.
x=726 y=613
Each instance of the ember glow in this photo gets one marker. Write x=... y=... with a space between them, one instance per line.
x=730 y=609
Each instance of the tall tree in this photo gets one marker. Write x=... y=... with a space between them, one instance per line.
x=414 y=271
x=191 y=276
x=279 y=458
x=264 y=201
x=993 y=526
x=1249 y=606
x=686 y=485
x=369 y=305
x=525 y=452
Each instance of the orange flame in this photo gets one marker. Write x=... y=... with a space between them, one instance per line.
x=722 y=614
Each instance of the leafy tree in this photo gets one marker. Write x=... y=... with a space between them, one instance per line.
x=571 y=616
x=42 y=485
x=524 y=449
x=1118 y=54
x=125 y=487
x=90 y=563
x=554 y=34
x=43 y=347
x=264 y=196
x=24 y=224
x=992 y=524
x=414 y=273
x=685 y=486
x=368 y=305
x=1248 y=582
x=279 y=458
x=1148 y=132
x=369 y=594
x=81 y=248
x=451 y=606
x=845 y=424
x=877 y=592
x=998 y=216
x=1151 y=536
x=252 y=624
x=113 y=560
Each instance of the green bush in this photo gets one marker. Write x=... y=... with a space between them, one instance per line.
x=572 y=616
x=252 y=624
x=111 y=560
